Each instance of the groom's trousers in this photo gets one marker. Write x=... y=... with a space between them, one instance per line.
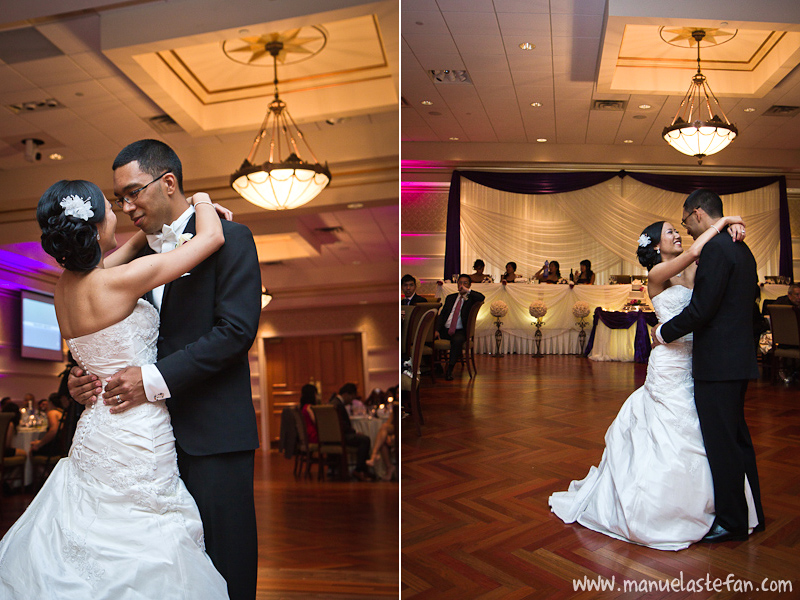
x=222 y=486
x=720 y=407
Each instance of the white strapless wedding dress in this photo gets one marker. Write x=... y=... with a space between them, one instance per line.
x=653 y=485
x=114 y=520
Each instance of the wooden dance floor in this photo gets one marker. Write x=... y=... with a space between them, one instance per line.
x=475 y=519
x=317 y=540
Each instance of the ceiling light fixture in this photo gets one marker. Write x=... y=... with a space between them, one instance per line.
x=536 y=104
x=541 y=140
x=427 y=103
x=627 y=141
x=698 y=129
x=527 y=46
x=280 y=184
x=644 y=106
x=749 y=109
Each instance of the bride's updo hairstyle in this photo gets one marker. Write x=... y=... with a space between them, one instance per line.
x=68 y=214
x=647 y=253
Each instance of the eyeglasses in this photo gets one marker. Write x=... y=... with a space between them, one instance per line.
x=131 y=196
x=686 y=218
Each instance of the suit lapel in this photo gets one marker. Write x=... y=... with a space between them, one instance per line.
x=190 y=228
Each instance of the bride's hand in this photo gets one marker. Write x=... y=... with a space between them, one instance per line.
x=735 y=225
x=223 y=212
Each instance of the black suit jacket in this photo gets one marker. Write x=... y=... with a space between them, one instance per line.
x=209 y=319
x=338 y=404
x=415 y=299
x=721 y=313
x=783 y=300
x=472 y=299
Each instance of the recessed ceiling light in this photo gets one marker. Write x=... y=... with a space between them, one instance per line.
x=455 y=139
x=640 y=117
x=56 y=156
x=541 y=140
x=627 y=141
x=527 y=46
x=355 y=205
x=427 y=102
x=644 y=106
x=536 y=104
x=749 y=109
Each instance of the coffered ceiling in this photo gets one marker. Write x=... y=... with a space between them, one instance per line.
x=592 y=83
x=86 y=77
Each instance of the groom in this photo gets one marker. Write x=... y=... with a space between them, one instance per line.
x=724 y=359
x=209 y=319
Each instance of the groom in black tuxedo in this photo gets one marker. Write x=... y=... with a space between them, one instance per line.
x=723 y=360
x=209 y=319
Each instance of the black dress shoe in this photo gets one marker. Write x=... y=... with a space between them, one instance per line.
x=448 y=374
x=759 y=527
x=718 y=534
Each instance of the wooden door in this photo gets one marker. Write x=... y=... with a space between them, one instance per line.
x=325 y=361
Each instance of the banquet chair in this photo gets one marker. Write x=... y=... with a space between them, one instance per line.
x=331 y=439
x=427 y=348
x=305 y=451
x=442 y=347
x=43 y=465
x=785 y=324
x=410 y=379
x=12 y=468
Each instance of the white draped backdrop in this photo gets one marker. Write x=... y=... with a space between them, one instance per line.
x=601 y=223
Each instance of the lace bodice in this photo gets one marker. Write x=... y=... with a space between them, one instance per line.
x=130 y=342
x=671 y=302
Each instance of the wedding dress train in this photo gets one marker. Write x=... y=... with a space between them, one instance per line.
x=114 y=520
x=653 y=485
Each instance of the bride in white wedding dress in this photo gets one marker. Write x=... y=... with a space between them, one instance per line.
x=114 y=520
x=653 y=485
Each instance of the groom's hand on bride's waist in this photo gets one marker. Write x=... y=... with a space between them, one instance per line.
x=124 y=390
x=84 y=388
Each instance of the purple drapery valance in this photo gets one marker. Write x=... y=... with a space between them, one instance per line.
x=556 y=183
x=623 y=320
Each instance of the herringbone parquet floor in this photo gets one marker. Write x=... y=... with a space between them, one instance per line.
x=475 y=520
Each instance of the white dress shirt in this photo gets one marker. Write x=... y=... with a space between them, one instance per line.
x=155 y=388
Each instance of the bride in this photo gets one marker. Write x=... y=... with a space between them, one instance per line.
x=653 y=486
x=113 y=520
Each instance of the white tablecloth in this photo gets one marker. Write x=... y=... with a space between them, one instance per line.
x=22 y=440
x=369 y=426
x=560 y=329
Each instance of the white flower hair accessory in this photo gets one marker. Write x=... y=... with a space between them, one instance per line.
x=75 y=206
x=644 y=240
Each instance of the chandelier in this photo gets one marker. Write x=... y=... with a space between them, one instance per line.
x=698 y=129
x=280 y=183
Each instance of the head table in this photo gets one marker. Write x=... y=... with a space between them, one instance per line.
x=560 y=328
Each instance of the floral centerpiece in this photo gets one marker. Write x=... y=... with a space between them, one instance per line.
x=580 y=310
x=498 y=308
x=538 y=309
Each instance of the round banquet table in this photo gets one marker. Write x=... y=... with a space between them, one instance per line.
x=22 y=440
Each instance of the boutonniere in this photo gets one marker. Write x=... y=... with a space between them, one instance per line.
x=183 y=238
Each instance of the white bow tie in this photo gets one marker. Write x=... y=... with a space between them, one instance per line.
x=166 y=236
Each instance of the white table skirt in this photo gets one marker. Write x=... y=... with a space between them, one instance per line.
x=22 y=440
x=560 y=329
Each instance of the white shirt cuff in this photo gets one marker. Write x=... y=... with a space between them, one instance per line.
x=657 y=334
x=155 y=388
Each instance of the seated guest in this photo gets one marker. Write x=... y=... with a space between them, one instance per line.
x=585 y=274
x=409 y=286
x=478 y=276
x=308 y=398
x=385 y=439
x=376 y=397
x=792 y=296
x=453 y=319
x=510 y=276
x=52 y=442
x=5 y=401
x=553 y=273
x=347 y=393
x=8 y=449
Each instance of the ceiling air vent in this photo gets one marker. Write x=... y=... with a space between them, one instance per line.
x=35 y=105
x=609 y=105
x=336 y=229
x=782 y=111
x=163 y=124
x=450 y=76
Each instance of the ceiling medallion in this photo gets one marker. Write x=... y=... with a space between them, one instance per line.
x=683 y=37
x=700 y=127
x=254 y=51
